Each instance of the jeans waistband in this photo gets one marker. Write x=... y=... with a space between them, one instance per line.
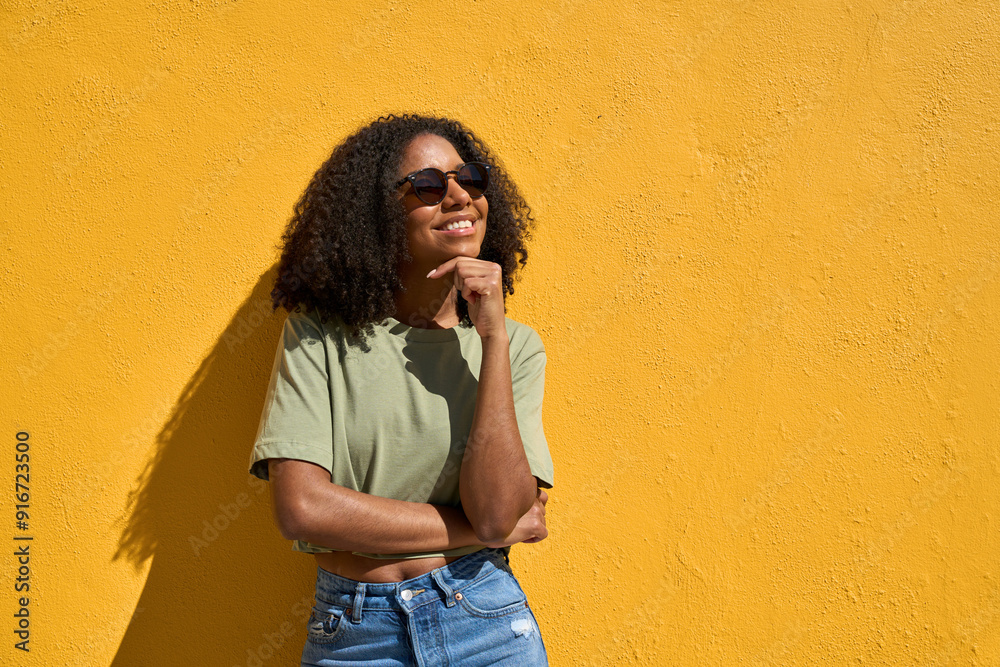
x=440 y=584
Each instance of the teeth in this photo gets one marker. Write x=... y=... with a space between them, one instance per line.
x=461 y=224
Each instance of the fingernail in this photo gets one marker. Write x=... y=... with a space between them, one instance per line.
x=431 y=271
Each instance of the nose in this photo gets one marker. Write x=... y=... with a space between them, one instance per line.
x=456 y=196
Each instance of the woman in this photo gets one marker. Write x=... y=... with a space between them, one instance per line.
x=402 y=426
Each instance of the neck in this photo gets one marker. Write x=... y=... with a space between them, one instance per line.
x=427 y=303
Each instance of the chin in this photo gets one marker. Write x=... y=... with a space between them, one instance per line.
x=468 y=251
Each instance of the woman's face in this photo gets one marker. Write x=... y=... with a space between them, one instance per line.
x=429 y=243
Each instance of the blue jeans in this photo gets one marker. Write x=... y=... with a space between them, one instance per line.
x=471 y=611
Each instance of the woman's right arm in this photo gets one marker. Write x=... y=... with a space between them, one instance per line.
x=308 y=507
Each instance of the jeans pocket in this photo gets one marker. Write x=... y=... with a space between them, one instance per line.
x=326 y=623
x=497 y=594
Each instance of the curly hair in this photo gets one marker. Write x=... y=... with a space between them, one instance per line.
x=347 y=236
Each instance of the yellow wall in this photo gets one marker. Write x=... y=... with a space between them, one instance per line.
x=766 y=273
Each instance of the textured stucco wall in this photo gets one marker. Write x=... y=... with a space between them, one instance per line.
x=766 y=274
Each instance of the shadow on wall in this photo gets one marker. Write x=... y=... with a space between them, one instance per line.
x=224 y=587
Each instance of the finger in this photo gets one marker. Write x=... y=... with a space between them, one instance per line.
x=462 y=277
x=466 y=292
x=544 y=497
x=464 y=274
x=481 y=286
x=467 y=269
x=444 y=268
x=470 y=266
x=485 y=271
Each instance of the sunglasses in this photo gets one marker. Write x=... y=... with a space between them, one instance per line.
x=430 y=184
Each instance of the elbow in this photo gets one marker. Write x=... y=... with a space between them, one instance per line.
x=292 y=519
x=290 y=531
x=489 y=532
x=495 y=524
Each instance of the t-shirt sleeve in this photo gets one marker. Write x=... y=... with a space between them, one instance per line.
x=296 y=420
x=528 y=383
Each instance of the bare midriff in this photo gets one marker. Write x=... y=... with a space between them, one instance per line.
x=378 y=571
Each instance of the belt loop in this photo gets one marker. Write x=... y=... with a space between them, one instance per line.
x=359 y=598
x=449 y=594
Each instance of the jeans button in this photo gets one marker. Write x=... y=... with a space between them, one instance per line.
x=407 y=594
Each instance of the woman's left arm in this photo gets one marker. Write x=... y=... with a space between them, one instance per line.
x=495 y=484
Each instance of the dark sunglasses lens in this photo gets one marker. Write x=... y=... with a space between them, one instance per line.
x=429 y=186
x=474 y=178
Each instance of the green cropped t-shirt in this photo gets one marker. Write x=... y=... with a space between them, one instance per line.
x=392 y=420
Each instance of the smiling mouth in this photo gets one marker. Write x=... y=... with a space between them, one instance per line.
x=456 y=225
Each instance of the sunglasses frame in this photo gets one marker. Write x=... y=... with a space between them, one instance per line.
x=443 y=175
